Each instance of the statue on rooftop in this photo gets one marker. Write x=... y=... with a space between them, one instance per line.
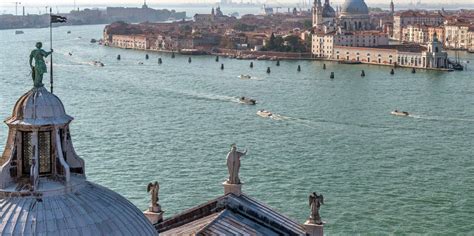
x=315 y=202
x=39 y=68
x=153 y=189
x=233 y=164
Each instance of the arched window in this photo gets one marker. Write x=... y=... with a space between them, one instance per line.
x=44 y=152
x=45 y=157
x=27 y=151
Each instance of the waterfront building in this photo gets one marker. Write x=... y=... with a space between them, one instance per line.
x=43 y=184
x=140 y=42
x=459 y=35
x=422 y=34
x=323 y=44
x=350 y=28
x=410 y=17
x=414 y=55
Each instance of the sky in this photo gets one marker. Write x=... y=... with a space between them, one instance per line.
x=5 y=3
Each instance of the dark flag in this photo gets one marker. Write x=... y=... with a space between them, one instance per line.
x=53 y=19
x=58 y=19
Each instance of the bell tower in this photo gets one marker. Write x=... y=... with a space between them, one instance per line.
x=392 y=7
x=317 y=12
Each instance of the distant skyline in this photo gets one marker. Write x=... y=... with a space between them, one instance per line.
x=8 y=3
x=200 y=6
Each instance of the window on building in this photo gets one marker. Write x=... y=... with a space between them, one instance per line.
x=44 y=149
x=27 y=151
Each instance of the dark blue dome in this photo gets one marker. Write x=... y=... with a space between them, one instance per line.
x=328 y=11
x=354 y=7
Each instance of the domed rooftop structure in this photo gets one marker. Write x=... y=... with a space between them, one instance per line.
x=43 y=186
x=39 y=107
x=328 y=11
x=354 y=7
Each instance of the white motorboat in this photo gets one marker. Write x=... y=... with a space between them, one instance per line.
x=248 y=101
x=245 y=77
x=399 y=113
x=97 y=63
x=264 y=113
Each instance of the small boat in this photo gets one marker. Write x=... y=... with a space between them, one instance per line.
x=458 y=66
x=140 y=63
x=247 y=101
x=264 y=113
x=399 y=113
x=19 y=32
x=245 y=77
x=351 y=62
x=93 y=40
x=70 y=53
x=97 y=63
x=68 y=31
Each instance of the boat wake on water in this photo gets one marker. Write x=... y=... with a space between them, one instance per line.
x=209 y=97
x=439 y=118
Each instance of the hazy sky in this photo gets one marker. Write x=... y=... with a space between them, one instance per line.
x=6 y=3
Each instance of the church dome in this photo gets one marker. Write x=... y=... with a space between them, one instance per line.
x=39 y=107
x=43 y=186
x=84 y=209
x=354 y=7
x=328 y=11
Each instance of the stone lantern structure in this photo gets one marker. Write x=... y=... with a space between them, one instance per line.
x=43 y=186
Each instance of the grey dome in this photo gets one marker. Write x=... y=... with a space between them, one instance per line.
x=328 y=11
x=354 y=7
x=85 y=209
x=39 y=107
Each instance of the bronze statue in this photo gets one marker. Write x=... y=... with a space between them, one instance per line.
x=315 y=202
x=153 y=189
x=39 y=69
x=233 y=164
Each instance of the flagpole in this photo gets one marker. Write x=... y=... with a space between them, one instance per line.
x=51 y=47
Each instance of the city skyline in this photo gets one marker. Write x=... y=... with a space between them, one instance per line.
x=156 y=2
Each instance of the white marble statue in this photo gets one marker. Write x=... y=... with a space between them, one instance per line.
x=315 y=202
x=153 y=189
x=233 y=164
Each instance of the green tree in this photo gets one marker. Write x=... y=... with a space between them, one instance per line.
x=308 y=24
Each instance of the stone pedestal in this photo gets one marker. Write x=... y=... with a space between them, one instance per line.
x=154 y=214
x=154 y=217
x=313 y=229
x=232 y=188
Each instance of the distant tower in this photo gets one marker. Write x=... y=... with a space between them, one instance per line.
x=212 y=12
x=144 y=6
x=392 y=7
x=317 y=13
x=436 y=57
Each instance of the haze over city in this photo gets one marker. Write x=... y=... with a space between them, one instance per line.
x=158 y=2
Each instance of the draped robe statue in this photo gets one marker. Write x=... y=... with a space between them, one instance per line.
x=153 y=189
x=233 y=164
x=315 y=202
x=39 y=69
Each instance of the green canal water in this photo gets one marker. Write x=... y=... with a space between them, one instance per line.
x=174 y=122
